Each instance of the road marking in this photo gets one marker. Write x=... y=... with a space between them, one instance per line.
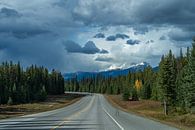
x=113 y=119
x=73 y=115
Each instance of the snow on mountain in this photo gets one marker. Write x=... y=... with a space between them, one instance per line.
x=112 y=71
x=114 y=67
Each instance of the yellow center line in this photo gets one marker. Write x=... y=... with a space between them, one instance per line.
x=74 y=115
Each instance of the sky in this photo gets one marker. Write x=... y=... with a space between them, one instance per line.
x=93 y=35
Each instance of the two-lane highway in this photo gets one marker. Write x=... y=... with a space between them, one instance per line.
x=91 y=112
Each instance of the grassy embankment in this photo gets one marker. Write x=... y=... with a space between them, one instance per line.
x=52 y=102
x=153 y=110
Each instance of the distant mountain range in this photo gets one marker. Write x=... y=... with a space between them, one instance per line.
x=109 y=73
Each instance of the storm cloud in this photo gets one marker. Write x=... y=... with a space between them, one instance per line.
x=104 y=58
x=162 y=38
x=133 y=42
x=117 y=36
x=180 y=35
x=99 y=35
x=32 y=31
x=132 y=11
x=88 y=48
x=141 y=15
x=7 y=12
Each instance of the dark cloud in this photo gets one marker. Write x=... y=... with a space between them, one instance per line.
x=172 y=12
x=140 y=29
x=13 y=23
x=104 y=59
x=29 y=34
x=111 y=38
x=103 y=51
x=122 y=36
x=162 y=38
x=32 y=51
x=22 y=31
x=72 y=47
x=152 y=13
x=99 y=35
x=117 y=36
x=64 y=3
x=150 y=41
x=89 y=48
x=133 y=42
x=7 y=12
x=96 y=13
x=180 y=35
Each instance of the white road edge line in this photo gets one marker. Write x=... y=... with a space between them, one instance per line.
x=113 y=119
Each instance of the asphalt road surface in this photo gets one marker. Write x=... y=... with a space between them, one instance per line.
x=90 y=113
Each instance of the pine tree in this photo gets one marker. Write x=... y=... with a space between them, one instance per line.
x=188 y=54
x=192 y=76
x=126 y=94
x=183 y=89
x=146 y=90
x=155 y=95
x=186 y=82
x=27 y=85
x=134 y=94
x=167 y=81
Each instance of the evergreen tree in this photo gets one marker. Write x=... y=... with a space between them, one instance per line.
x=192 y=74
x=183 y=89
x=168 y=80
x=126 y=94
x=156 y=91
x=21 y=86
x=134 y=94
x=146 y=90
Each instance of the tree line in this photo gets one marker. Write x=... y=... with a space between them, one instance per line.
x=173 y=83
x=18 y=85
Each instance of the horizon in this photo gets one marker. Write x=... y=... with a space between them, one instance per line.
x=120 y=68
x=77 y=35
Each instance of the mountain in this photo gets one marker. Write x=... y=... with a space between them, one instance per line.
x=108 y=73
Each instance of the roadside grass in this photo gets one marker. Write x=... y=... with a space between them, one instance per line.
x=154 y=110
x=52 y=103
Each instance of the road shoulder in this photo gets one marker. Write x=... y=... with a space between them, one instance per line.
x=52 y=103
x=148 y=109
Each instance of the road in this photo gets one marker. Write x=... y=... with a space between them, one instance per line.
x=90 y=113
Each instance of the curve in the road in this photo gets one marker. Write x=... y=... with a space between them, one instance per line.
x=91 y=112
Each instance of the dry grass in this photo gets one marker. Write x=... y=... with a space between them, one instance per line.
x=153 y=110
x=53 y=102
